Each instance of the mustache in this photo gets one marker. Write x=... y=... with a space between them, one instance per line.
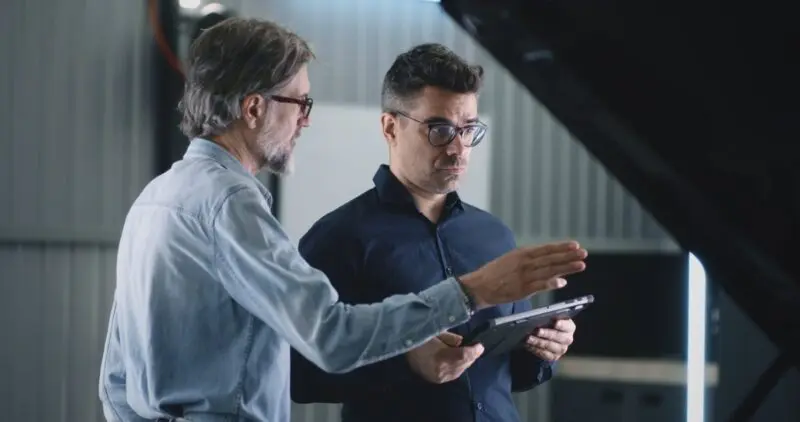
x=452 y=161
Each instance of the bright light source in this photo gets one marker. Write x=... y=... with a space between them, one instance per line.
x=212 y=8
x=696 y=343
x=189 y=4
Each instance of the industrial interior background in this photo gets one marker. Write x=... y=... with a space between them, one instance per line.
x=77 y=128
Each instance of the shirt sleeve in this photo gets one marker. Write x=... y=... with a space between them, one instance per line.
x=527 y=369
x=262 y=271
x=339 y=257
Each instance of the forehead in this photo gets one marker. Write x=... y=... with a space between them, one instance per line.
x=299 y=85
x=436 y=102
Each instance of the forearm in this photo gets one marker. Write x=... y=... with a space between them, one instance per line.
x=263 y=272
x=305 y=310
x=348 y=337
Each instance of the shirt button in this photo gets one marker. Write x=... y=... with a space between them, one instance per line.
x=451 y=318
x=479 y=406
x=409 y=343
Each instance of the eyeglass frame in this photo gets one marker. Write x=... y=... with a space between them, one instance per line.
x=459 y=130
x=305 y=103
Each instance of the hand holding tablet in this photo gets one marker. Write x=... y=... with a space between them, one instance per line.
x=502 y=335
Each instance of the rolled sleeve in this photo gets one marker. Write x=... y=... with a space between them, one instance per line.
x=448 y=299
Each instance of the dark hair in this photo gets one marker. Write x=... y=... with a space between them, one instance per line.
x=427 y=65
x=231 y=60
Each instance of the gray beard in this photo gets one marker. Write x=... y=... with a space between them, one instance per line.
x=277 y=159
x=278 y=163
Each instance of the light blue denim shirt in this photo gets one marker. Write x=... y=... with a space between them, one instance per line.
x=211 y=294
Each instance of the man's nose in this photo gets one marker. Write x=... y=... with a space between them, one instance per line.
x=457 y=147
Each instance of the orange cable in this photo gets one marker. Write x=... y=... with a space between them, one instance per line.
x=158 y=34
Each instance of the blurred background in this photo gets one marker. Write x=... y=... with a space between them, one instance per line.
x=87 y=117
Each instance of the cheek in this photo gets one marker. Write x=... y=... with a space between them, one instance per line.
x=284 y=127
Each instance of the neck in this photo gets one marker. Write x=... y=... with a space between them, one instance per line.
x=428 y=204
x=236 y=144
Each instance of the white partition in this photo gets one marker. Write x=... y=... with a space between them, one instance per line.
x=336 y=158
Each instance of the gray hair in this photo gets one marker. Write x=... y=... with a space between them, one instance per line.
x=231 y=60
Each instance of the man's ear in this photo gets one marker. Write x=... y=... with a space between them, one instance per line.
x=389 y=127
x=254 y=107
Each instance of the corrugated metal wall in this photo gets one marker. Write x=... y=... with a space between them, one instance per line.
x=76 y=147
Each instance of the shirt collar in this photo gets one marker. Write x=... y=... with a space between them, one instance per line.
x=203 y=148
x=391 y=190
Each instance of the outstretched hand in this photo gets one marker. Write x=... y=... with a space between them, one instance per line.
x=524 y=272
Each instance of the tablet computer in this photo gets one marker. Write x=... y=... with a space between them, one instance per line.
x=502 y=335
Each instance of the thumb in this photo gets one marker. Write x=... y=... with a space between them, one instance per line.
x=461 y=355
x=450 y=339
x=473 y=352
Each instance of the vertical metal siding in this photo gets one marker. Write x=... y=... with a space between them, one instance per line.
x=56 y=303
x=76 y=148
x=74 y=109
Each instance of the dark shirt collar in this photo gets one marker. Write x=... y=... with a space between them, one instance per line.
x=392 y=191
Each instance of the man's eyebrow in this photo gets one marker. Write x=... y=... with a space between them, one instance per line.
x=297 y=94
x=438 y=119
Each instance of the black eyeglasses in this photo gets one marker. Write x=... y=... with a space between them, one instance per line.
x=304 y=103
x=441 y=133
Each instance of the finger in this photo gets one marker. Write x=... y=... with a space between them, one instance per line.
x=548 y=345
x=450 y=339
x=457 y=356
x=545 y=354
x=468 y=358
x=553 y=271
x=565 y=325
x=556 y=336
x=472 y=353
x=538 y=285
x=551 y=248
x=560 y=258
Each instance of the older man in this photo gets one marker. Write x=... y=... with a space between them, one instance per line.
x=405 y=234
x=210 y=292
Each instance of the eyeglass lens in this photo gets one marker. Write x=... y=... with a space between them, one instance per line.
x=471 y=135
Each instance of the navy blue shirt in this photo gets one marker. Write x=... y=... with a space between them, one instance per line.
x=378 y=245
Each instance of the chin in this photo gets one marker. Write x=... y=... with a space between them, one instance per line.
x=283 y=166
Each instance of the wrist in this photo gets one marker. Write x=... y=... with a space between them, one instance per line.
x=473 y=300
